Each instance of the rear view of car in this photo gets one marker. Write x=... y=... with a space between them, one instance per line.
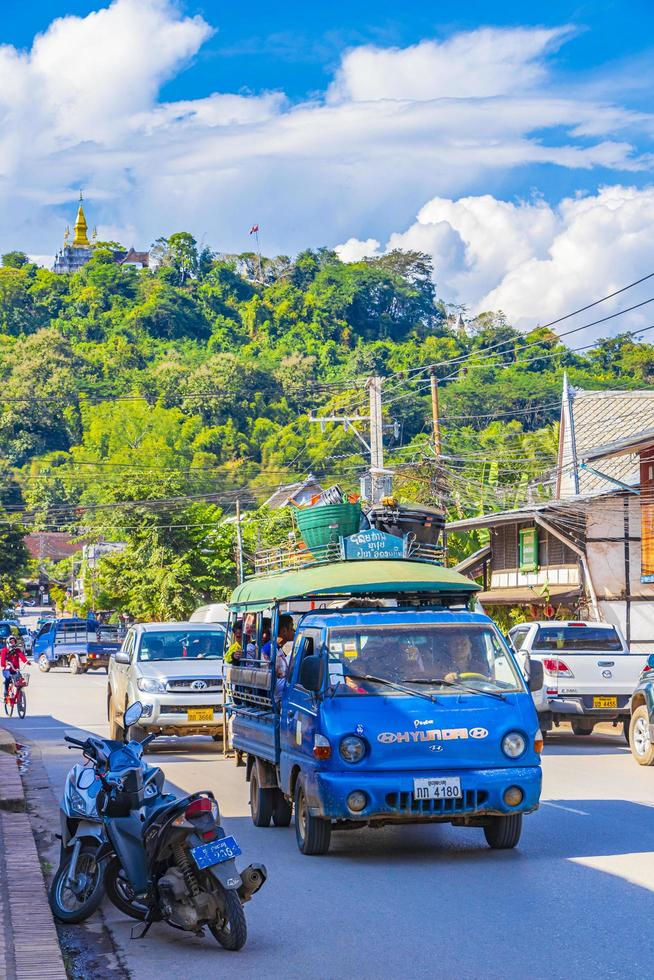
x=589 y=673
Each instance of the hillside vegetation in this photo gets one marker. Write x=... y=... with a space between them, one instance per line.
x=185 y=388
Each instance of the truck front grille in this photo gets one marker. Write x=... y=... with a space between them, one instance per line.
x=214 y=684
x=182 y=709
x=471 y=800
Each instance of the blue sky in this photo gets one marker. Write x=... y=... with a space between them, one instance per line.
x=424 y=125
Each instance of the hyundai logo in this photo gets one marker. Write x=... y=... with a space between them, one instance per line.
x=478 y=733
x=199 y=685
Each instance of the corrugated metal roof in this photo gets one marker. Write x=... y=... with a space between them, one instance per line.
x=602 y=417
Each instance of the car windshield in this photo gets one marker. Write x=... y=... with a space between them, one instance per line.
x=581 y=639
x=443 y=659
x=182 y=645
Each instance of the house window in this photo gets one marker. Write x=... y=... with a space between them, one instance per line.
x=528 y=549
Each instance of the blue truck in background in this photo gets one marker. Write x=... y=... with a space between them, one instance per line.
x=80 y=644
x=395 y=703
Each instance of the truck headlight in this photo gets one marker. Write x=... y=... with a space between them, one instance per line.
x=352 y=748
x=150 y=686
x=514 y=744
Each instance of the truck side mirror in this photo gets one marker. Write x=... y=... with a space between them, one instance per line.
x=536 y=675
x=122 y=658
x=311 y=673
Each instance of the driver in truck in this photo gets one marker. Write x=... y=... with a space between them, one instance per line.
x=463 y=658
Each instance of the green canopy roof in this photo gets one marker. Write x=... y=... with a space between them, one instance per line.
x=350 y=578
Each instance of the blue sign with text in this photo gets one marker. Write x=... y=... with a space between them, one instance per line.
x=373 y=544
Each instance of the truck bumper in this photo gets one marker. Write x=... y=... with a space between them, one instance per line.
x=390 y=795
x=170 y=714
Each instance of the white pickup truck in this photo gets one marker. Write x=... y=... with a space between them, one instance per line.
x=589 y=672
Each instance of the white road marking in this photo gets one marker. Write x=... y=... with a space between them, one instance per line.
x=568 y=809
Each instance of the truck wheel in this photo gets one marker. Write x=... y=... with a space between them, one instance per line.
x=75 y=666
x=116 y=732
x=313 y=834
x=639 y=737
x=282 y=809
x=261 y=801
x=44 y=663
x=581 y=728
x=503 y=833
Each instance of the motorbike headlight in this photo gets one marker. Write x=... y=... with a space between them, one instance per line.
x=149 y=685
x=514 y=744
x=352 y=748
x=77 y=800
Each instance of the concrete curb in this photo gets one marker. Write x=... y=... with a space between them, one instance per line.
x=12 y=794
x=29 y=947
x=7 y=743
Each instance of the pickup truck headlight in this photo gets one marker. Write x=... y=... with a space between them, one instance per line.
x=514 y=744
x=352 y=748
x=150 y=686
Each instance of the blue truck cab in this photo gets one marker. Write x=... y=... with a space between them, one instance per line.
x=395 y=704
x=80 y=644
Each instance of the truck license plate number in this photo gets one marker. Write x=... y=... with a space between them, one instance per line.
x=443 y=788
x=200 y=714
x=605 y=702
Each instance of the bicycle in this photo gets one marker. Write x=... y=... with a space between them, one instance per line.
x=16 y=694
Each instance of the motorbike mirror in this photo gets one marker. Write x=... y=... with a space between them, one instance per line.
x=85 y=779
x=133 y=714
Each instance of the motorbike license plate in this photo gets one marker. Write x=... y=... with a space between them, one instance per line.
x=200 y=714
x=605 y=702
x=443 y=788
x=206 y=855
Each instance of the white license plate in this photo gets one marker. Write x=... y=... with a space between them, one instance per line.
x=443 y=788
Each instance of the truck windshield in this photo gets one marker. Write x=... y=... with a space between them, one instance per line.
x=182 y=645
x=581 y=639
x=434 y=658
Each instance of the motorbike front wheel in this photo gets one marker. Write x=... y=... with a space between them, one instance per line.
x=230 y=928
x=75 y=902
x=120 y=892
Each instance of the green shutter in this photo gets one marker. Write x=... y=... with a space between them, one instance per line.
x=528 y=549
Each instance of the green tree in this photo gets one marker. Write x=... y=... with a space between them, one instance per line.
x=14 y=260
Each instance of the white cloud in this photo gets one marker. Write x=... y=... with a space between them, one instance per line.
x=477 y=64
x=395 y=128
x=536 y=262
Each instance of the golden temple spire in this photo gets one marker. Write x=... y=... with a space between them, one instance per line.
x=80 y=239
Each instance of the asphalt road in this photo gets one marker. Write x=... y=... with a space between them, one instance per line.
x=575 y=898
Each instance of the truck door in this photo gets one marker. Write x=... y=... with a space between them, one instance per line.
x=299 y=709
x=120 y=673
x=42 y=641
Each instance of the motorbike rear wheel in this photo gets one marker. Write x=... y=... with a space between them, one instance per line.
x=230 y=929
x=70 y=905
x=120 y=893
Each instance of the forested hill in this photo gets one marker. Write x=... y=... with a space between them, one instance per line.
x=196 y=379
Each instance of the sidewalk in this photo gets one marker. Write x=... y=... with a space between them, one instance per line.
x=29 y=948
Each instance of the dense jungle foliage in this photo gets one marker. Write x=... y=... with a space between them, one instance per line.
x=138 y=405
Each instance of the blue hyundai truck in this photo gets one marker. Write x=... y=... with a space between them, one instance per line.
x=80 y=644
x=385 y=700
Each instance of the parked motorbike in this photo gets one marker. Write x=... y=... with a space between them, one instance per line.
x=166 y=858
x=77 y=888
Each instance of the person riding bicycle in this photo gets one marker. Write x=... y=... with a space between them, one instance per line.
x=11 y=657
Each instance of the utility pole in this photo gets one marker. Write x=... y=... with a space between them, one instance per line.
x=435 y=414
x=374 y=386
x=375 y=447
x=239 y=544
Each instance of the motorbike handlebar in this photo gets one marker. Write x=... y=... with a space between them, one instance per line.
x=148 y=738
x=74 y=741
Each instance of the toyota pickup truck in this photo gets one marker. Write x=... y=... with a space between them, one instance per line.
x=589 y=672
x=396 y=704
x=80 y=644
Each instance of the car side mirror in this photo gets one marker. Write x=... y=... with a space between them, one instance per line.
x=311 y=673
x=536 y=675
x=122 y=658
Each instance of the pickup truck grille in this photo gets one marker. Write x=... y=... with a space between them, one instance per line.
x=184 y=685
x=182 y=709
x=471 y=800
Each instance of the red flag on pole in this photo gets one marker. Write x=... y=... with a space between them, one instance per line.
x=254 y=229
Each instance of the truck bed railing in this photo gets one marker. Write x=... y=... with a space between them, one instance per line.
x=248 y=685
x=287 y=558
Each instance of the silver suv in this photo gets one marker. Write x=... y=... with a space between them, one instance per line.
x=176 y=671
